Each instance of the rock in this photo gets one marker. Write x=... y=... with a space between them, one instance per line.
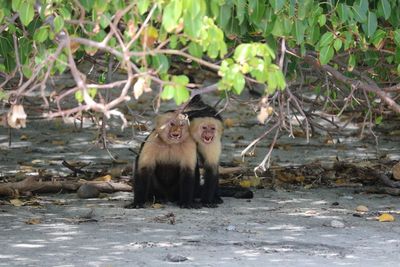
x=230 y=228
x=337 y=224
x=362 y=208
x=175 y=258
x=88 y=191
x=396 y=171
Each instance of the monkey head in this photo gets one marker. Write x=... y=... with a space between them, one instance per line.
x=206 y=129
x=172 y=128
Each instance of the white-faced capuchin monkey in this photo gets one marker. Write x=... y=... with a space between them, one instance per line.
x=206 y=129
x=166 y=165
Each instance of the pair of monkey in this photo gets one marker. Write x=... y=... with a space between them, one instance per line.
x=167 y=167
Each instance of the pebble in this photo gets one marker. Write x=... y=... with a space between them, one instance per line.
x=88 y=191
x=337 y=224
x=175 y=258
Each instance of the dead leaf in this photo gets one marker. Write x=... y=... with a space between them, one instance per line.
x=138 y=87
x=228 y=122
x=157 y=206
x=16 y=202
x=396 y=171
x=23 y=137
x=264 y=113
x=105 y=178
x=58 y=142
x=16 y=117
x=386 y=217
x=34 y=221
x=131 y=28
x=245 y=183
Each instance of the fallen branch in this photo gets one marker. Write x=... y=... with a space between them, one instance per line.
x=32 y=185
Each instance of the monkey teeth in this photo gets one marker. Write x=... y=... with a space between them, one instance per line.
x=208 y=140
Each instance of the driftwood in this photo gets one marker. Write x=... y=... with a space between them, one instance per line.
x=32 y=185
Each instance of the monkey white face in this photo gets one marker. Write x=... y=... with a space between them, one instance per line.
x=172 y=128
x=207 y=132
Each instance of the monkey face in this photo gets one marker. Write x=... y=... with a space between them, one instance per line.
x=173 y=129
x=207 y=132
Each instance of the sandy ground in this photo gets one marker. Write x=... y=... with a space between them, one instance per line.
x=299 y=227
x=296 y=228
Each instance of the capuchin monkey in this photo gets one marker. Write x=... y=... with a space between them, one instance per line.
x=166 y=164
x=206 y=129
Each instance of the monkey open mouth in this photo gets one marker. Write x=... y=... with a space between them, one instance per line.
x=208 y=139
x=175 y=136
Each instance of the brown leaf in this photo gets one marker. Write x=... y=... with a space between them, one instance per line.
x=105 y=178
x=34 y=221
x=16 y=117
x=16 y=202
x=386 y=217
x=228 y=122
x=396 y=171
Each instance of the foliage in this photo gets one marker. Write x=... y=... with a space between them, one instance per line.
x=356 y=42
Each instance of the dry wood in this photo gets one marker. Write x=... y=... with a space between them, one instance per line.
x=31 y=184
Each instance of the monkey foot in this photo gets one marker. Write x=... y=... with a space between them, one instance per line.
x=134 y=205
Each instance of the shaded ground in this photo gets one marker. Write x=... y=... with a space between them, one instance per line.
x=305 y=224
x=289 y=228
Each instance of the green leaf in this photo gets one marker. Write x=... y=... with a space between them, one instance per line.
x=299 y=31
x=337 y=44
x=238 y=83
x=87 y=4
x=326 y=54
x=322 y=20
x=326 y=39
x=378 y=120
x=396 y=37
x=277 y=5
x=195 y=49
x=378 y=38
x=304 y=9
x=58 y=24
x=351 y=63
x=386 y=8
x=92 y=92
x=171 y=15
x=181 y=80
x=143 y=6
x=372 y=24
x=181 y=95
x=16 y=5
x=41 y=34
x=173 y=41
x=61 y=63
x=168 y=92
x=27 y=71
x=26 y=13
x=160 y=63
x=79 y=96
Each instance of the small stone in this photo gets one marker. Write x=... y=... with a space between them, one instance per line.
x=175 y=258
x=362 y=208
x=88 y=191
x=337 y=224
x=230 y=228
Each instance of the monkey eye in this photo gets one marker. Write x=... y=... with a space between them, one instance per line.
x=204 y=127
x=213 y=128
x=172 y=123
